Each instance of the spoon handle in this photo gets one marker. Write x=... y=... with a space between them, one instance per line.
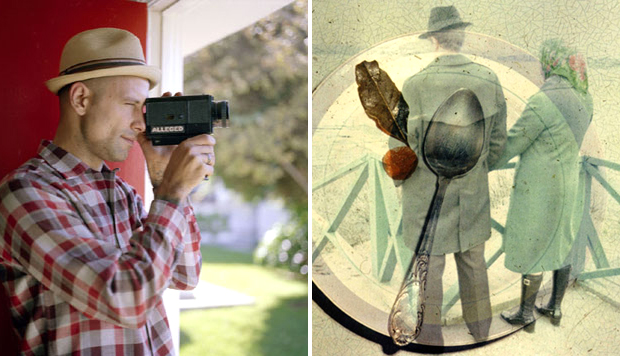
x=430 y=224
x=405 y=320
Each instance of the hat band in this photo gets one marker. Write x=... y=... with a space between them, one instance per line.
x=102 y=64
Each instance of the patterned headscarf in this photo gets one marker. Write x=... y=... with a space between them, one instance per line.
x=558 y=59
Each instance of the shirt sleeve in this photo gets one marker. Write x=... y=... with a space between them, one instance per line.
x=187 y=272
x=45 y=235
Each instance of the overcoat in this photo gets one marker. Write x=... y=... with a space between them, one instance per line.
x=464 y=220
x=546 y=202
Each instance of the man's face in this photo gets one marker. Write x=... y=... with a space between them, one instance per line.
x=114 y=119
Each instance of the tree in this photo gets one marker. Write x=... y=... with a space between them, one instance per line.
x=263 y=71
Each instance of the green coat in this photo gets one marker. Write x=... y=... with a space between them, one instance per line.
x=546 y=203
x=464 y=220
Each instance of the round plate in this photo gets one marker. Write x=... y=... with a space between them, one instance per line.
x=358 y=261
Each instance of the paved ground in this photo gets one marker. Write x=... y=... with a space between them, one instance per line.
x=208 y=295
x=590 y=326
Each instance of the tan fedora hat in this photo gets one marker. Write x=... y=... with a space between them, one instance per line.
x=102 y=52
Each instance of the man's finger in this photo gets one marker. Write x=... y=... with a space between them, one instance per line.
x=141 y=137
x=203 y=139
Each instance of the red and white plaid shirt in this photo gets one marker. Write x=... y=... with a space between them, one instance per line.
x=83 y=264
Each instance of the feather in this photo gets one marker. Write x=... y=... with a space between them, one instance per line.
x=381 y=99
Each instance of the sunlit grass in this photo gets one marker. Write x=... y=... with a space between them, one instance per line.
x=277 y=324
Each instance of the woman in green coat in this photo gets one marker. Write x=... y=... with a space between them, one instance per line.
x=546 y=203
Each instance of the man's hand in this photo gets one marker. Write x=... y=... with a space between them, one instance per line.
x=176 y=169
x=190 y=162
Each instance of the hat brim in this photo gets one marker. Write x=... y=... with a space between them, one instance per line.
x=150 y=73
x=451 y=27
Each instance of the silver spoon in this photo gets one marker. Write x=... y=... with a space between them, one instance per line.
x=451 y=148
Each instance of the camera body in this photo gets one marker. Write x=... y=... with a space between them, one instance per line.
x=171 y=120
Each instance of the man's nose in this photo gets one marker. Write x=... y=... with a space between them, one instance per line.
x=138 y=124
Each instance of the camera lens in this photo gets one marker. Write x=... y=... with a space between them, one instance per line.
x=221 y=115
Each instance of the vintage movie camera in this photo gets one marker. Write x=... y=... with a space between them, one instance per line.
x=171 y=120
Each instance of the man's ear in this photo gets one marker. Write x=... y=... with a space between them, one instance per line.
x=80 y=97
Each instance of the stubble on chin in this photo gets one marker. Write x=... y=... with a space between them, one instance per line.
x=120 y=154
x=112 y=152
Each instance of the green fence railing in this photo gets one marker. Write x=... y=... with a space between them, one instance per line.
x=388 y=251
x=588 y=237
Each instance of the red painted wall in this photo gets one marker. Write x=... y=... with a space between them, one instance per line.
x=32 y=36
x=31 y=39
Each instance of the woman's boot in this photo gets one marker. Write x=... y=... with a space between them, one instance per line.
x=525 y=315
x=560 y=283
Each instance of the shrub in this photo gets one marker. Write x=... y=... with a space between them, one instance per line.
x=285 y=246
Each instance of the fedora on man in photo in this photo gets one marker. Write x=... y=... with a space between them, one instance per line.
x=444 y=18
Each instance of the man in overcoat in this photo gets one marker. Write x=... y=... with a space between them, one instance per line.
x=464 y=221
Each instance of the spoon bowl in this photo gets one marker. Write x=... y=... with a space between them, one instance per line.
x=455 y=135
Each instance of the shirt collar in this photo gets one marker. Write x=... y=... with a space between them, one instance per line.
x=450 y=60
x=64 y=162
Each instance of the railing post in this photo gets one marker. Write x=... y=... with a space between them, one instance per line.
x=578 y=251
x=379 y=224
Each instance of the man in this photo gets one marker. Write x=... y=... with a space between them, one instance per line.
x=82 y=262
x=464 y=221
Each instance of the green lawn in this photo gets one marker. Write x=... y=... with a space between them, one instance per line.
x=277 y=324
